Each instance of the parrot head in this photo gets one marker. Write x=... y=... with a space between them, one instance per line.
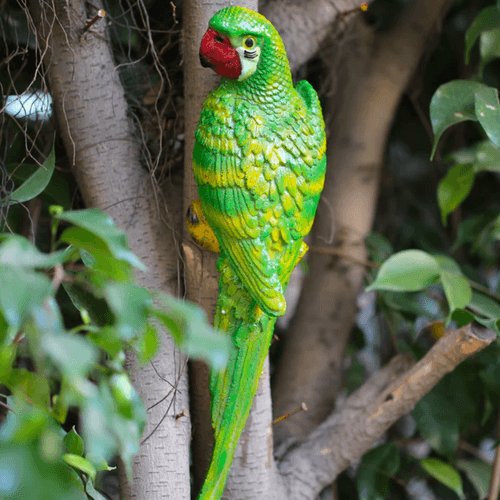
x=235 y=41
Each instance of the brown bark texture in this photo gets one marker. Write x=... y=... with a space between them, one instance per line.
x=369 y=73
x=389 y=394
x=103 y=147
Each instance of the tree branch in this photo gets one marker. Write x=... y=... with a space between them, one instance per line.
x=349 y=432
x=304 y=24
x=372 y=75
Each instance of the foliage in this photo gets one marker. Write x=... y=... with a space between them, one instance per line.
x=50 y=369
x=415 y=287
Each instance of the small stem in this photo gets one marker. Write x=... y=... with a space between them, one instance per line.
x=100 y=14
x=303 y=406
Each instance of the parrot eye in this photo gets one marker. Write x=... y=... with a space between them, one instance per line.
x=249 y=43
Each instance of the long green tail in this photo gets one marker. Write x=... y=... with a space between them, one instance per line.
x=233 y=389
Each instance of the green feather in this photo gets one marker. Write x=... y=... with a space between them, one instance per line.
x=259 y=160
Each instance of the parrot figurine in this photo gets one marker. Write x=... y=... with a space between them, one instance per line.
x=259 y=161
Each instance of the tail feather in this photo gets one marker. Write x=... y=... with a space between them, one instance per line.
x=233 y=391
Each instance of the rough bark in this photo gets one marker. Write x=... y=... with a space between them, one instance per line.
x=372 y=75
x=389 y=394
x=304 y=24
x=103 y=147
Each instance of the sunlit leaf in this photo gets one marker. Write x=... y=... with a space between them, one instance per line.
x=18 y=251
x=456 y=287
x=148 y=343
x=409 y=271
x=452 y=103
x=80 y=463
x=488 y=113
x=101 y=224
x=444 y=473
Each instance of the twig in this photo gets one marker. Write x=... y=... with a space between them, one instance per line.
x=303 y=406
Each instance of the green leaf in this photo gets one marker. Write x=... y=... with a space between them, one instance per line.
x=462 y=317
x=131 y=305
x=379 y=247
x=375 y=471
x=484 y=305
x=26 y=475
x=488 y=113
x=437 y=421
x=60 y=404
x=456 y=287
x=408 y=271
x=489 y=47
x=444 y=473
x=190 y=328
x=123 y=393
x=25 y=424
x=73 y=442
x=92 y=492
x=7 y=358
x=488 y=19
x=18 y=251
x=31 y=386
x=56 y=192
x=47 y=317
x=107 y=432
x=454 y=188
x=86 y=301
x=100 y=224
x=452 y=103
x=483 y=155
x=148 y=344
x=21 y=290
x=35 y=184
x=81 y=464
x=107 y=339
x=73 y=355
x=457 y=290
x=479 y=474
x=103 y=262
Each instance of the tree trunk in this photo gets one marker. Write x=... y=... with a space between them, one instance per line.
x=103 y=147
x=367 y=84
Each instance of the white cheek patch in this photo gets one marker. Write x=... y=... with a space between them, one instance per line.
x=249 y=60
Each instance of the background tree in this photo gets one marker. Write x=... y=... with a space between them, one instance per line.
x=126 y=102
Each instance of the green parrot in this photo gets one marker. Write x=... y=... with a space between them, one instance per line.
x=259 y=161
